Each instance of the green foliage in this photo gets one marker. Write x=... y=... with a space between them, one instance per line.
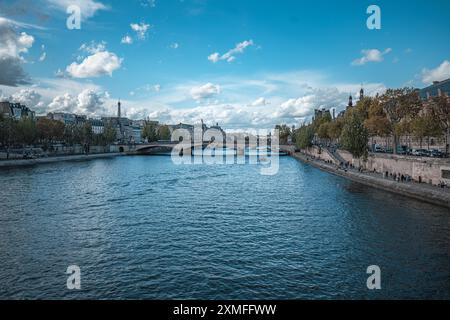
x=425 y=126
x=109 y=133
x=400 y=107
x=304 y=137
x=150 y=132
x=50 y=130
x=335 y=129
x=440 y=111
x=87 y=133
x=284 y=132
x=164 y=133
x=26 y=131
x=323 y=131
x=354 y=137
x=7 y=131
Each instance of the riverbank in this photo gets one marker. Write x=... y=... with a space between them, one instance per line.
x=80 y=157
x=422 y=192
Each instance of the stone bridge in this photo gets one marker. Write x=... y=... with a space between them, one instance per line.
x=155 y=147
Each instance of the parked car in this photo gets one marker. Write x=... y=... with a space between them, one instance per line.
x=421 y=153
x=403 y=150
x=379 y=149
x=436 y=154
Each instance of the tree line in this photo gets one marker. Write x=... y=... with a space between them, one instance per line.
x=154 y=132
x=396 y=113
x=27 y=132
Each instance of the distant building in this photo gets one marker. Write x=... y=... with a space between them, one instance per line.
x=15 y=111
x=187 y=127
x=320 y=113
x=438 y=88
x=69 y=119
x=350 y=102
x=98 y=126
x=66 y=118
x=219 y=128
x=137 y=134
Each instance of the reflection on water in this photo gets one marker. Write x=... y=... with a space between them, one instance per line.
x=140 y=227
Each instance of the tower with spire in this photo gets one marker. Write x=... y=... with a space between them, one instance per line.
x=361 y=93
x=350 y=101
x=119 y=114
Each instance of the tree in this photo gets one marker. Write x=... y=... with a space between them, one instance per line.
x=57 y=130
x=150 y=132
x=26 y=131
x=7 y=132
x=364 y=107
x=49 y=130
x=335 y=129
x=109 y=133
x=87 y=133
x=400 y=105
x=440 y=111
x=425 y=126
x=323 y=131
x=164 y=133
x=284 y=131
x=377 y=123
x=354 y=137
x=305 y=136
x=73 y=134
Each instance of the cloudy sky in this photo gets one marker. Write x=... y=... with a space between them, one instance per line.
x=242 y=63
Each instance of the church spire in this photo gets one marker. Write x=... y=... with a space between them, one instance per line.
x=119 y=115
x=361 y=93
x=350 y=101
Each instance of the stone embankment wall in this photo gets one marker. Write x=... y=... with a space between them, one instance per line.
x=29 y=162
x=64 y=151
x=427 y=170
x=436 y=196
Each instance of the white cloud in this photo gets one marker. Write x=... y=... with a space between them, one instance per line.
x=230 y=55
x=88 y=7
x=91 y=102
x=93 y=47
x=215 y=57
x=442 y=72
x=233 y=114
x=371 y=55
x=259 y=102
x=126 y=40
x=43 y=56
x=12 y=47
x=29 y=98
x=100 y=63
x=63 y=103
x=206 y=91
x=141 y=29
x=145 y=89
x=13 y=43
x=88 y=102
x=148 y=3
x=293 y=97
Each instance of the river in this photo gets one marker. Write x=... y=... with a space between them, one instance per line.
x=143 y=228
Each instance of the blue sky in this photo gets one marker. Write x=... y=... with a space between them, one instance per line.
x=241 y=63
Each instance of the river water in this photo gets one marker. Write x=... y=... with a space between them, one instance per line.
x=141 y=227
